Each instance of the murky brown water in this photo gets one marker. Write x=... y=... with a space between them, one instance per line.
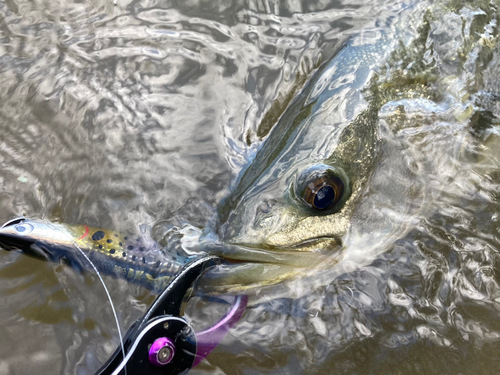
x=139 y=115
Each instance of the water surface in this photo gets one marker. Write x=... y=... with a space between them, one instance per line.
x=139 y=114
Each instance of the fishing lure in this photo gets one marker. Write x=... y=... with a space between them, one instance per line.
x=136 y=259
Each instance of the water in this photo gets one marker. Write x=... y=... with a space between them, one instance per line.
x=140 y=114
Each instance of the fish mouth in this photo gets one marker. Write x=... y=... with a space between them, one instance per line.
x=252 y=266
x=299 y=254
x=316 y=244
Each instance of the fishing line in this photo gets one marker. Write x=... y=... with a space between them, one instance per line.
x=107 y=294
x=109 y=298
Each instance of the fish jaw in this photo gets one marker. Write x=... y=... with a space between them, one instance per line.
x=254 y=265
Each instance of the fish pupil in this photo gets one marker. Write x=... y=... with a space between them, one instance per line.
x=322 y=188
x=324 y=197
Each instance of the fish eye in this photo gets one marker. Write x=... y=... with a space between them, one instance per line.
x=321 y=187
x=23 y=229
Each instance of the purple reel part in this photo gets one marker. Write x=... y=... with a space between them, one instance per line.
x=208 y=339
x=161 y=352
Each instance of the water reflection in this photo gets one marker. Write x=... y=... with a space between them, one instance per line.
x=139 y=113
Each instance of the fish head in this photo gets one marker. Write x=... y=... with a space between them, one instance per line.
x=335 y=180
x=291 y=208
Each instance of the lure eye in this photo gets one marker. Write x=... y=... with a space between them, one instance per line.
x=23 y=229
x=321 y=187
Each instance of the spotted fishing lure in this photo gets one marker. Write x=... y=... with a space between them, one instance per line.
x=136 y=259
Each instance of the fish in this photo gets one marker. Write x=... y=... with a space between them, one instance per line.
x=339 y=178
x=348 y=168
x=139 y=260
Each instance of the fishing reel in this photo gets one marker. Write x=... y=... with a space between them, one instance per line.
x=162 y=342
